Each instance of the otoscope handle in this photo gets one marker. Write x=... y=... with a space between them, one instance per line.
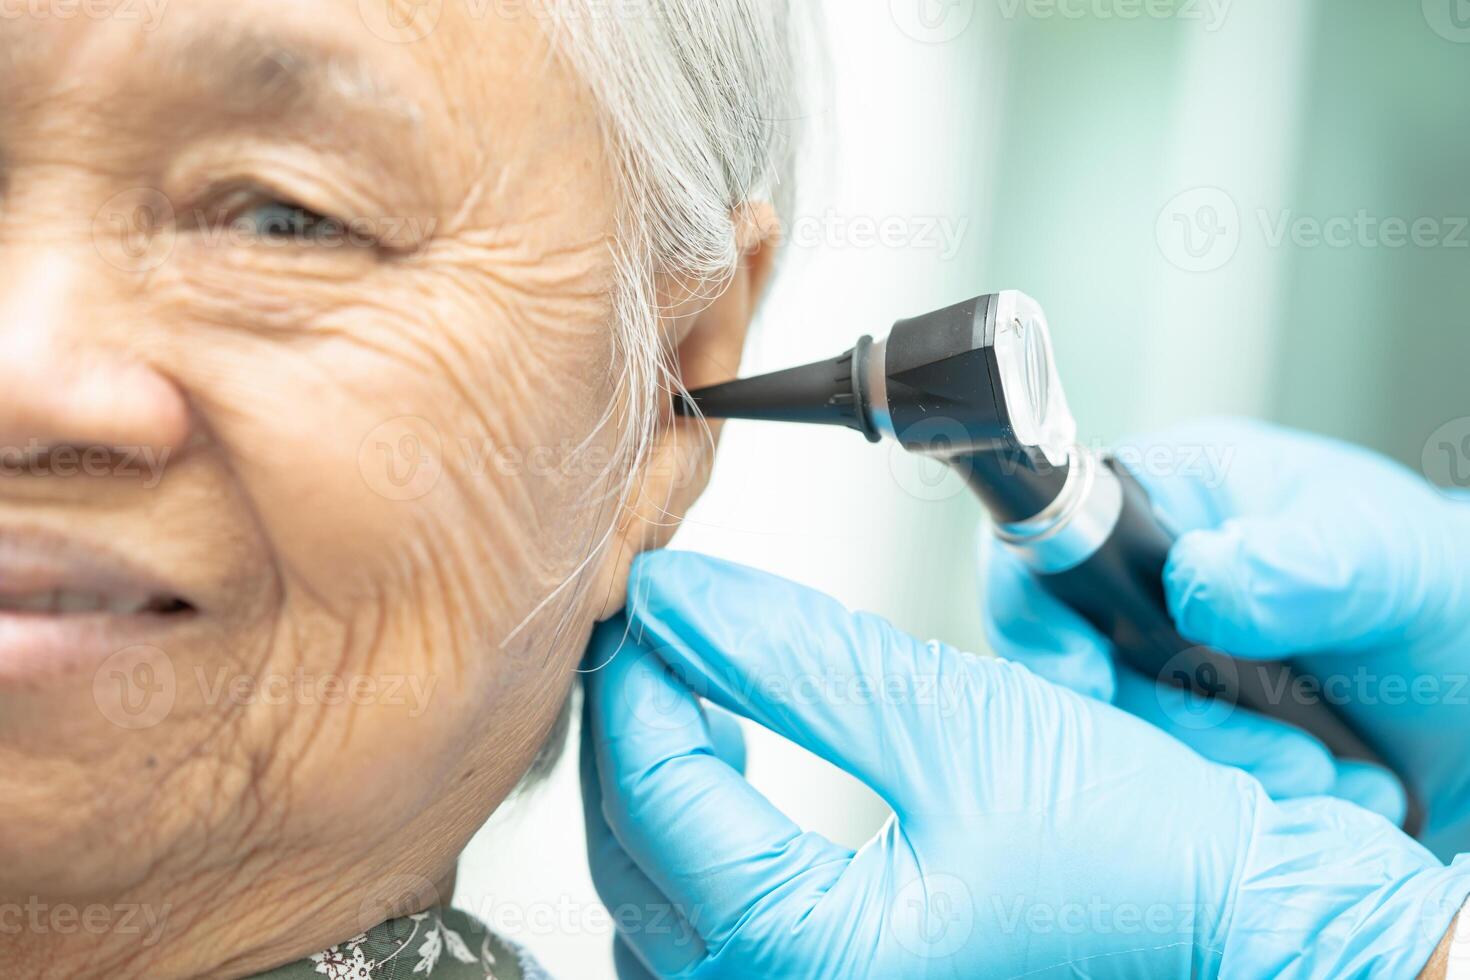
x=1120 y=590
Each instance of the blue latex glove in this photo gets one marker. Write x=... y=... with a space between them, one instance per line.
x=1292 y=545
x=1035 y=832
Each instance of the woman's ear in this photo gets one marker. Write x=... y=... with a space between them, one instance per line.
x=707 y=337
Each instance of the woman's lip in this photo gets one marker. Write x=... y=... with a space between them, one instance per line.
x=38 y=642
x=33 y=561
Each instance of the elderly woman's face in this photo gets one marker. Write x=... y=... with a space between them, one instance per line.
x=304 y=346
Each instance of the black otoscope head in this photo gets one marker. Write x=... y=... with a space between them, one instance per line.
x=973 y=384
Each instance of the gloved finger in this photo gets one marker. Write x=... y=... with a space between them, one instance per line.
x=1200 y=473
x=1288 y=762
x=1373 y=788
x=1026 y=623
x=644 y=917
x=652 y=932
x=726 y=737
x=701 y=834
x=1197 y=475
x=1291 y=584
x=847 y=687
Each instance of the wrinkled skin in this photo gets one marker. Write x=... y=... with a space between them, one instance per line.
x=273 y=379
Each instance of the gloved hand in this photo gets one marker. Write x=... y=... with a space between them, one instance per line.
x=1292 y=545
x=1035 y=832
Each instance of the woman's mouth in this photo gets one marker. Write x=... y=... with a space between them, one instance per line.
x=68 y=603
x=65 y=605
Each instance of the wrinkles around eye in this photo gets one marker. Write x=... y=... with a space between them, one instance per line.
x=249 y=217
x=246 y=216
x=289 y=196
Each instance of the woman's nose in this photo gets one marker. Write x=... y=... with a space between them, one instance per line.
x=66 y=377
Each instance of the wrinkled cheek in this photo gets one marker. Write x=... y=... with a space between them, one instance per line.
x=377 y=500
x=370 y=749
x=435 y=555
x=354 y=481
x=428 y=508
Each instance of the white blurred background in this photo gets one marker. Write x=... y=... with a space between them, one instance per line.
x=1131 y=166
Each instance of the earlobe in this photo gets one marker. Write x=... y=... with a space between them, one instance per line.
x=708 y=338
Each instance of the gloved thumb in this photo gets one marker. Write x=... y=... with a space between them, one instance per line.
x=1283 y=585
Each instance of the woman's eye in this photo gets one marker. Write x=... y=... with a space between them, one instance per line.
x=245 y=215
x=250 y=216
x=279 y=221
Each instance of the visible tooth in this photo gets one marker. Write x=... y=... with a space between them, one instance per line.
x=78 y=602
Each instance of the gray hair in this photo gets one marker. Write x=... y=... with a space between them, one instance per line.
x=700 y=109
x=699 y=101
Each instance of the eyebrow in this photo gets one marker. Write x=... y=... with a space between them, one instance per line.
x=240 y=69
x=251 y=72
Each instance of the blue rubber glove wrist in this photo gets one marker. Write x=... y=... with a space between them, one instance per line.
x=1300 y=547
x=1035 y=832
x=1376 y=903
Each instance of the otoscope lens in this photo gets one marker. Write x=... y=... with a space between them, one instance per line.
x=1038 y=367
x=1035 y=402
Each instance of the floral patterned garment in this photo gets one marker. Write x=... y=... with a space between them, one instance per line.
x=441 y=944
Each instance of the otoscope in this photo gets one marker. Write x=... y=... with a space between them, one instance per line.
x=976 y=386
